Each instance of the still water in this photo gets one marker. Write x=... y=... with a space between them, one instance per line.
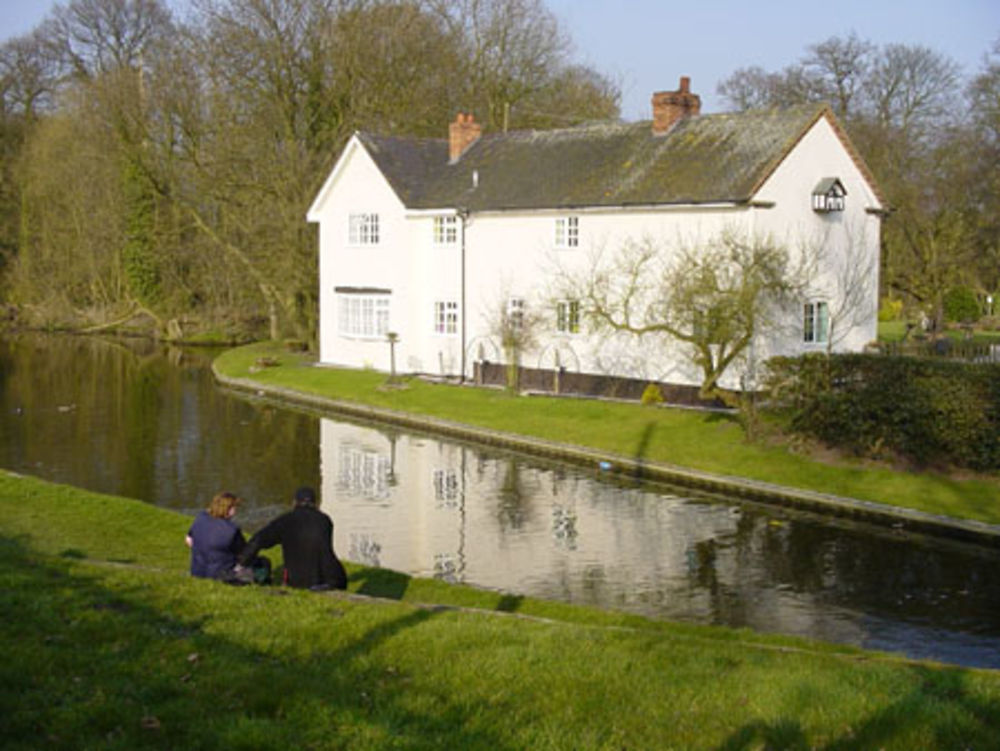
x=140 y=420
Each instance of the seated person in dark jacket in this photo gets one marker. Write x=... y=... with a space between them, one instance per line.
x=306 y=537
x=214 y=539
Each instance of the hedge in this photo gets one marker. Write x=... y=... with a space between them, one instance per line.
x=931 y=412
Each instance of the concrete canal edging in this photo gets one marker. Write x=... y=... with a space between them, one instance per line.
x=895 y=517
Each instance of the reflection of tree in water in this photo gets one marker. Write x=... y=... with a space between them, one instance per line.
x=701 y=558
x=594 y=581
x=512 y=507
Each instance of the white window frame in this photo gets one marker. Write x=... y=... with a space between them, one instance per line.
x=446 y=317
x=363 y=316
x=568 y=316
x=515 y=313
x=567 y=232
x=816 y=322
x=363 y=228
x=445 y=230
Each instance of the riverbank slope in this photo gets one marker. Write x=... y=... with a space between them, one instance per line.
x=705 y=450
x=109 y=643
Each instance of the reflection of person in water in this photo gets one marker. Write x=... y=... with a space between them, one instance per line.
x=306 y=537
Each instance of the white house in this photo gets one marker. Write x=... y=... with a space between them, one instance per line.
x=426 y=238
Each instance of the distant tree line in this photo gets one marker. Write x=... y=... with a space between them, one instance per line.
x=162 y=166
x=932 y=140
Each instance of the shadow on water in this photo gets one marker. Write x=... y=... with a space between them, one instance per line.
x=71 y=697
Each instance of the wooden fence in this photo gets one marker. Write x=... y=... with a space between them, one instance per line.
x=946 y=348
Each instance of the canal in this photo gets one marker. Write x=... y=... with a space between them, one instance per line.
x=133 y=418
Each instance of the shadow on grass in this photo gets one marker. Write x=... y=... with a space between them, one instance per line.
x=90 y=666
x=642 y=448
x=380 y=582
x=941 y=700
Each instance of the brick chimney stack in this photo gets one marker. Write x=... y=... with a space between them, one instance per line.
x=462 y=133
x=671 y=106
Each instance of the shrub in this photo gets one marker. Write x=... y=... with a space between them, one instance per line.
x=961 y=305
x=890 y=310
x=652 y=394
x=930 y=412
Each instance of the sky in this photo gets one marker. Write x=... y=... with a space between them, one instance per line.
x=647 y=45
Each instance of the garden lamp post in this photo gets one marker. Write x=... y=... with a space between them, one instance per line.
x=392 y=337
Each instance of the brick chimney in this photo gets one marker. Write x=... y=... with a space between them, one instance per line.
x=462 y=133
x=671 y=106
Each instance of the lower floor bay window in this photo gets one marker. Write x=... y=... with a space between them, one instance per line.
x=363 y=315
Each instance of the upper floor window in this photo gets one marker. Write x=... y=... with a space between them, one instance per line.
x=445 y=230
x=446 y=317
x=365 y=316
x=829 y=195
x=815 y=322
x=567 y=232
x=568 y=316
x=362 y=229
x=515 y=313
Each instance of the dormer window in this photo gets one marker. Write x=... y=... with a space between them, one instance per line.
x=828 y=195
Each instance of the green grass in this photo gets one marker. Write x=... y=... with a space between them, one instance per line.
x=703 y=441
x=894 y=331
x=109 y=644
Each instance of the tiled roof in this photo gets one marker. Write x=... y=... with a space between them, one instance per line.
x=704 y=159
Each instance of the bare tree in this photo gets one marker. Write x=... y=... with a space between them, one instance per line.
x=515 y=324
x=512 y=48
x=983 y=156
x=913 y=91
x=92 y=37
x=714 y=298
x=28 y=75
x=840 y=68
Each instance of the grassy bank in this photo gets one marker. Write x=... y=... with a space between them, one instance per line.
x=109 y=644
x=708 y=442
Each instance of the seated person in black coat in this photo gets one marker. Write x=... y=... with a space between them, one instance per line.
x=306 y=537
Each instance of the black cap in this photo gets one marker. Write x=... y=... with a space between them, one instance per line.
x=305 y=494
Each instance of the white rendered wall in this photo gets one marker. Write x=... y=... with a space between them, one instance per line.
x=849 y=237
x=360 y=187
x=514 y=254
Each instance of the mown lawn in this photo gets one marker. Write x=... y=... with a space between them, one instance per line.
x=110 y=645
x=704 y=441
x=894 y=331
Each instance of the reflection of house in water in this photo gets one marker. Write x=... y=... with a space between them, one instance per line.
x=362 y=472
x=432 y=508
x=395 y=499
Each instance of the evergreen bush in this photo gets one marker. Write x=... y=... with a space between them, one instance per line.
x=961 y=306
x=931 y=412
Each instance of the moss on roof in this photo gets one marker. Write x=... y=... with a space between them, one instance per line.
x=704 y=159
